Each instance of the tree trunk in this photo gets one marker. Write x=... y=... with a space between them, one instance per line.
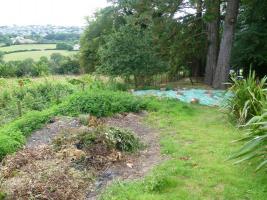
x=213 y=26
x=223 y=68
x=198 y=68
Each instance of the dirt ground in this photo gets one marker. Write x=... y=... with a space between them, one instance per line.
x=138 y=165
x=133 y=166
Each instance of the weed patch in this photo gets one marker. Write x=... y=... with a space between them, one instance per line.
x=102 y=103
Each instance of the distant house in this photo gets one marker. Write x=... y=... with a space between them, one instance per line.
x=22 y=40
x=76 y=47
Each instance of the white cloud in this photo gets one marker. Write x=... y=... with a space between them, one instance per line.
x=57 y=12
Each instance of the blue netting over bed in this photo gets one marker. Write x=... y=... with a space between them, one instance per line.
x=205 y=97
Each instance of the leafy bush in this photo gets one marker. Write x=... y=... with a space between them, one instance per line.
x=12 y=135
x=115 y=138
x=130 y=52
x=256 y=145
x=123 y=140
x=248 y=99
x=102 y=103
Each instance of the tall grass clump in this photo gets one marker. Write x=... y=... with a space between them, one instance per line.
x=248 y=106
x=248 y=99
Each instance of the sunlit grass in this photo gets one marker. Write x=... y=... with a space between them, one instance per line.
x=198 y=141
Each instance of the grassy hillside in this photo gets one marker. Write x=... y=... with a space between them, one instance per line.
x=36 y=55
x=27 y=47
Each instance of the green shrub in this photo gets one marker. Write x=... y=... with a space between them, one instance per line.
x=102 y=103
x=248 y=99
x=117 y=138
x=123 y=139
x=13 y=135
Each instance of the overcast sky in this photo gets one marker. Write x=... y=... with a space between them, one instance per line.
x=41 y=12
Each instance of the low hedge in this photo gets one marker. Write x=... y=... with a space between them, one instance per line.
x=102 y=103
x=13 y=135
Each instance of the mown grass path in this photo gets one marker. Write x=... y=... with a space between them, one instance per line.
x=198 y=142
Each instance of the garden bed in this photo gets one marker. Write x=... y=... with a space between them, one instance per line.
x=56 y=162
x=205 y=97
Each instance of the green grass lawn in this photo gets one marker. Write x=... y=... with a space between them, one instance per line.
x=36 y=55
x=198 y=141
x=28 y=47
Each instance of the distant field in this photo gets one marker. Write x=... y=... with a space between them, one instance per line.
x=36 y=55
x=28 y=47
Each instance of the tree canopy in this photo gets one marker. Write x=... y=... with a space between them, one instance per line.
x=186 y=35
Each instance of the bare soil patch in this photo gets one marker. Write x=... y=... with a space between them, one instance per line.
x=137 y=165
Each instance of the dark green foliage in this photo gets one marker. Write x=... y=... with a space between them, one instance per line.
x=64 y=46
x=93 y=37
x=132 y=34
x=248 y=99
x=62 y=37
x=128 y=52
x=64 y=65
x=250 y=45
x=102 y=103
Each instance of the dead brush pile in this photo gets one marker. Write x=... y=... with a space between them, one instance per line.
x=65 y=169
x=40 y=174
